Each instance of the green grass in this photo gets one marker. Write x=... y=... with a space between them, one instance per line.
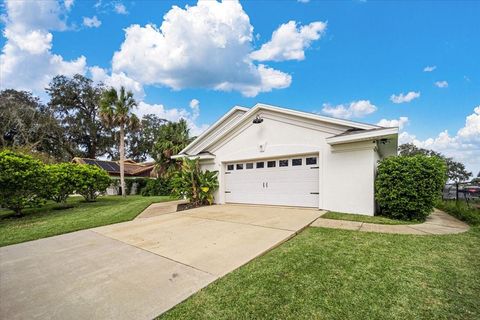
x=46 y=221
x=339 y=274
x=460 y=210
x=362 y=218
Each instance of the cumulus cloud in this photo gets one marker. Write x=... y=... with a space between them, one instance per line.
x=464 y=146
x=26 y=61
x=429 y=68
x=402 y=98
x=92 y=22
x=441 y=84
x=203 y=46
x=117 y=80
x=399 y=123
x=355 y=109
x=289 y=42
x=120 y=8
x=175 y=114
x=68 y=4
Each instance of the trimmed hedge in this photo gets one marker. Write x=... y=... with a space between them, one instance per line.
x=406 y=188
x=157 y=187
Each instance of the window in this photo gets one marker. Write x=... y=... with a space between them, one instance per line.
x=296 y=162
x=271 y=164
x=239 y=166
x=283 y=163
x=249 y=165
x=230 y=167
x=260 y=165
x=311 y=160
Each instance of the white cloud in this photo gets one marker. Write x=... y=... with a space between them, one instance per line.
x=356 y=109
x=399 y=123
x=175 y=114
x=463 y=147
x=117 y=80
x=441 y=84
x=429 y=68
x=26 y=61
x=402 y=98
x=68 y=4
x=202 y=46
x=120 y=8
x=303 y=1
x=289 y=42
x=92 y=22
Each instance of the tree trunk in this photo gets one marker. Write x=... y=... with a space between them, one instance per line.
x=122 y=160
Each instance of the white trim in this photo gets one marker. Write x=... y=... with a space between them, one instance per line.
x=197 y=156
x=363 y=136
x=266 y=107
x=212 y=127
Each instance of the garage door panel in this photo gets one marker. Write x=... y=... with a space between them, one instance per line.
x=290 y=186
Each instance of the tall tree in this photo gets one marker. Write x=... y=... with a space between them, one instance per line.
x=28 y=125
x=117 y=111
x=172 y=138
x=140 y=142
x=75 y=102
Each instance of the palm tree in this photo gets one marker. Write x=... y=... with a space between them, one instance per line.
x=116 y=111
x=173 y=137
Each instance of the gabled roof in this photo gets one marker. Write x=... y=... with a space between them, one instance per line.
x=362 y=135
x=132 y=169
x=209 y=134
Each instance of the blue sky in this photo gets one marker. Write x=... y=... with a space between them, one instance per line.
x=343 y=59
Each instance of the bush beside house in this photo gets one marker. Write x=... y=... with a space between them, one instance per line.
x=196 y=185
x=406 y=188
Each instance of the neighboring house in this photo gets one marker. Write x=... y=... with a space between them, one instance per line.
x=132 y=170
x=275 y=156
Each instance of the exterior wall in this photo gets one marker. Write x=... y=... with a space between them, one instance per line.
x=349 y=173
x=346 y=171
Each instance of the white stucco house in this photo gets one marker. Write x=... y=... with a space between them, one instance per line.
x=276 y=156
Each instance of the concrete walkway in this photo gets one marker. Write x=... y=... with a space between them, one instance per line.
x=437 y=223
x=141 y=268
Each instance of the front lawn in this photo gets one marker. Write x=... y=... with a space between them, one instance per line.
x=339 y=274
x=363 y=218
x=45 y=221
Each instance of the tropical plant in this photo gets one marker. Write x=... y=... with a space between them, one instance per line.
x=172 y=138
x=63 y=180
x=22 y=181
x=140 y=142
x=116 y=111
x=407 y=187
x=196 y=185
x=91 y=181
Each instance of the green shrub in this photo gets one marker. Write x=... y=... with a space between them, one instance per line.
x=157 y=187
x=91 y=181
x=22 y=181
x=460 y=210
x=196 y=185
x=406 y=188
x=63 y=181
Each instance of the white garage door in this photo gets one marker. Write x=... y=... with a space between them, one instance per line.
x=289 y=181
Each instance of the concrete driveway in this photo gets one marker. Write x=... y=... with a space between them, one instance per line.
x=141 y=268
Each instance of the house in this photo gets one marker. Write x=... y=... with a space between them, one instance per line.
x=276 y=156
x=132 y=170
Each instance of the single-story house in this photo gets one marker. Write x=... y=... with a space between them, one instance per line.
x=275 y=156
x=132 y=170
